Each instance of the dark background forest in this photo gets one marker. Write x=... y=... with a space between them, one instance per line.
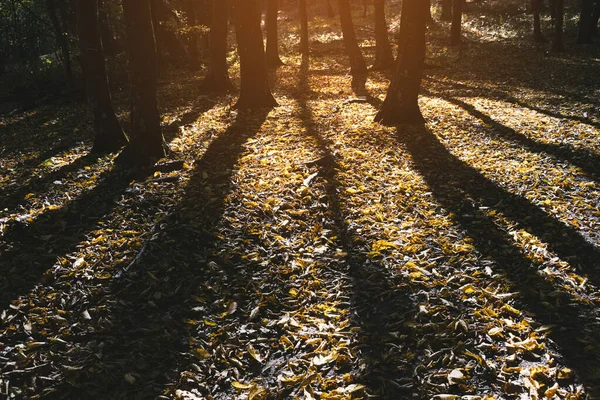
x=299 y=199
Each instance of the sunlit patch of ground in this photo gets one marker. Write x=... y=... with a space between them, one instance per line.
x=305 y=252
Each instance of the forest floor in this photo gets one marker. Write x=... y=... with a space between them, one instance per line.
x=305 y=252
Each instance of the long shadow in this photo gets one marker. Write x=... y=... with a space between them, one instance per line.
x=491 y=93
x=587 y=160
x=199 y=107
x=28 y=250
x=378 y=297
x=151 y=341
x=457 y=187
x=11 y=199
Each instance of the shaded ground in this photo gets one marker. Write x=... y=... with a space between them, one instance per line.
x=304 y=252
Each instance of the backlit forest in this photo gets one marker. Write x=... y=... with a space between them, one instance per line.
x=300 y=199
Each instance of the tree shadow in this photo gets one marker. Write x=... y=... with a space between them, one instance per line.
x=464 y=90
x=147 y=335
x=587 y=160
x=463 y=191
x=199 y=107
x=379 y=298
x=30 y=249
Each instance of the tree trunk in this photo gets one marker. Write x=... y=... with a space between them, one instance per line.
x=146 y=143
x=217 y=77
x=273 y=59
x=558 y=45
x=536 y=6
x=595 y=18
x=304 y=47
x=165 y=36
x=401 y=103
x=254 y=90
x=455 y=30
x=585 y=22
x=384 y=58
x=330 y=11
x=109 y=135
x=108 y=41
x=357 y=62
x=192 y=37
x=365 y=8
x=61 y=39
x=446 y=10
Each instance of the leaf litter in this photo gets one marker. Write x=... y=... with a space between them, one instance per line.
x=308 y=254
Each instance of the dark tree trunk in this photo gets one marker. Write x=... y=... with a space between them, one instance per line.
x=273 y=59
x=217 y=77
x=585 y=22
x=330 y=11
x=401 y=105
x=204 y=13
x=357 y=62
x=536 y=6
x=595 y=18
x=192 y=38
x=61 y=39
x=557 y=44
x=456 y=28
x=446 y=10
x=146 y=143
x=165 y=36
x=108 y=40
x=254 y=90
x=304 y=48
x=552 y=5
x=384 y=58
x=109 y=135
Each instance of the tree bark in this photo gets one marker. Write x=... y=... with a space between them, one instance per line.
x=401 y=103
x=108 y=40
x=330 y=11
x=192 y=37
x=254 y=90
x=595 y=18
x=536 y=6
x=446 y=10
x=557 y=44
x=109 y=135
x=357 y=62
x=585 y=22
x=384 y=58
x=273 y=59
x=61 y=39
x=304 y=47
x=146 y=143
x=456 y=28
x=165 y=37
x=217 y=78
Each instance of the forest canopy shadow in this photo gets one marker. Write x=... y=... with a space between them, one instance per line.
x=462 y=190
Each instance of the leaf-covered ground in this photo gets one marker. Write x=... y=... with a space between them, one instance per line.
x=304 y=252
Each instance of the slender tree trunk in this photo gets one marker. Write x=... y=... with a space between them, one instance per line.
x=109 y=135
x=595 y=18
x=357 y=62
x=401 y=103
x=217 y=77
x=192 y=39
x=108 y=41
x=384 y=58
x=304 y=47
x=558 y=45
x=536 y=6
x=204 y=13
x=585 y=22
x=456 y=28
x=273 y=59
x=61 y=39
x=254 y=90
x=146 y=143
x=165 y=36
x=330 y=11
x=446 y=10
